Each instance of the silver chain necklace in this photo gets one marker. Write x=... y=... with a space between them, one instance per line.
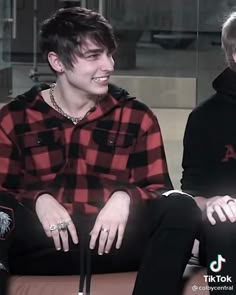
x=74 y=120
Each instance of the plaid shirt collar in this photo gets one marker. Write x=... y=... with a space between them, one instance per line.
x=116 y=97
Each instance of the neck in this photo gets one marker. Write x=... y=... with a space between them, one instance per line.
x=72 y=102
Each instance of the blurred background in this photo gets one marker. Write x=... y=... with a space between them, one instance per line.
x=169 y=50
x=168 y=53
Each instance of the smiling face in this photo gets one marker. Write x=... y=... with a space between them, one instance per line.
x=91 y=70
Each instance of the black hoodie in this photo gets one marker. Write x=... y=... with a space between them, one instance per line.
x=209 y=159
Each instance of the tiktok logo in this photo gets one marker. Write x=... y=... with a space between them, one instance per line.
x=216 y=265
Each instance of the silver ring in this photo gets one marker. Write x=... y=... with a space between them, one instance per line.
x=62 y=226
x=229 y=201
x=105 y=230
x=53 y=227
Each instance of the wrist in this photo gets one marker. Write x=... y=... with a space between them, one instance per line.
x=201 y=202
x=122 y=195
x=43 y=196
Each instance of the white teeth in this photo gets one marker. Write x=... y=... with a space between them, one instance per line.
x=101 y=79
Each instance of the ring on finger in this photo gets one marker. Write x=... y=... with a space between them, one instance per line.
x=53 y=227
x=229 y=201
x=105 y=230
x=62 y=226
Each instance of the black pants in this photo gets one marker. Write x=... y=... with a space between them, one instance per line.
x=158 y=241
x=219 y=239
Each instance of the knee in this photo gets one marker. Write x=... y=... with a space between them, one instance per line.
x=182 y=205
x=183 y=210
x=178 y=210
x=182 y=202
x=220 y=229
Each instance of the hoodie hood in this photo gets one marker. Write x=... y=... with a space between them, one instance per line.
x=119 y=97
x=119 y=93
x=225 y=83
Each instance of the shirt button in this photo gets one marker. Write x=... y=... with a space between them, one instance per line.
x=39 y=140
x=111 y=141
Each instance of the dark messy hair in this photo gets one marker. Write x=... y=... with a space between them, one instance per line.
x=66 y=31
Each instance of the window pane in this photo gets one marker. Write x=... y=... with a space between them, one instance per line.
x=156 y=56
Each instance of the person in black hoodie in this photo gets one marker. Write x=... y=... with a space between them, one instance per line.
x=209 y=169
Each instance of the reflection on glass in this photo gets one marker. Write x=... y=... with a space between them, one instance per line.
x=5 y=48
x=5 y=33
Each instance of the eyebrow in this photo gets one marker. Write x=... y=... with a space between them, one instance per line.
x=93 y=51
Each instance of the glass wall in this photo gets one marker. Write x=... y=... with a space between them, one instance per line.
x=6 y=31
x=158 y=40
x=168 y=50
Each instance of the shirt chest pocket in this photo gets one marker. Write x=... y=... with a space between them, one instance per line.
x=109 y=151
x=43 y=153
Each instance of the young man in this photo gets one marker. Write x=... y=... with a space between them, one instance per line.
x=209 y=164
x=82 y=167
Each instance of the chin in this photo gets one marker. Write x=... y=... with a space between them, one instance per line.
x=102 y=90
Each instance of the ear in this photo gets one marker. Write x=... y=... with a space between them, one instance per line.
x=234 y=56
x=55 y=62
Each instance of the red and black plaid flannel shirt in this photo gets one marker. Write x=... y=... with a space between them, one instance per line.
x=116 y=147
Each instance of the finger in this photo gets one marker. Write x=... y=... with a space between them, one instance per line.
x=209 y=213
x=48 y=233
x=56 y=239
x=110 y=238
x=121 y=230
x=220 y=213
x=228 y=212
x=232 y=206
x=64 y=240
x=102 y=241
x=46 y=227
x=73 y=232
x=94 y=234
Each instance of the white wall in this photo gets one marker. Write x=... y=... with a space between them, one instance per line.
x=161 y=92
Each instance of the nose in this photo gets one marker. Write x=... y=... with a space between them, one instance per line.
x=107 y=63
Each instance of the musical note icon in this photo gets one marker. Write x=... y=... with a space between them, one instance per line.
x=216 y=265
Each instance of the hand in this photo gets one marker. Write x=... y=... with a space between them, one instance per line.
x=111 y=221
x=50 y=212
x=223 y=206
